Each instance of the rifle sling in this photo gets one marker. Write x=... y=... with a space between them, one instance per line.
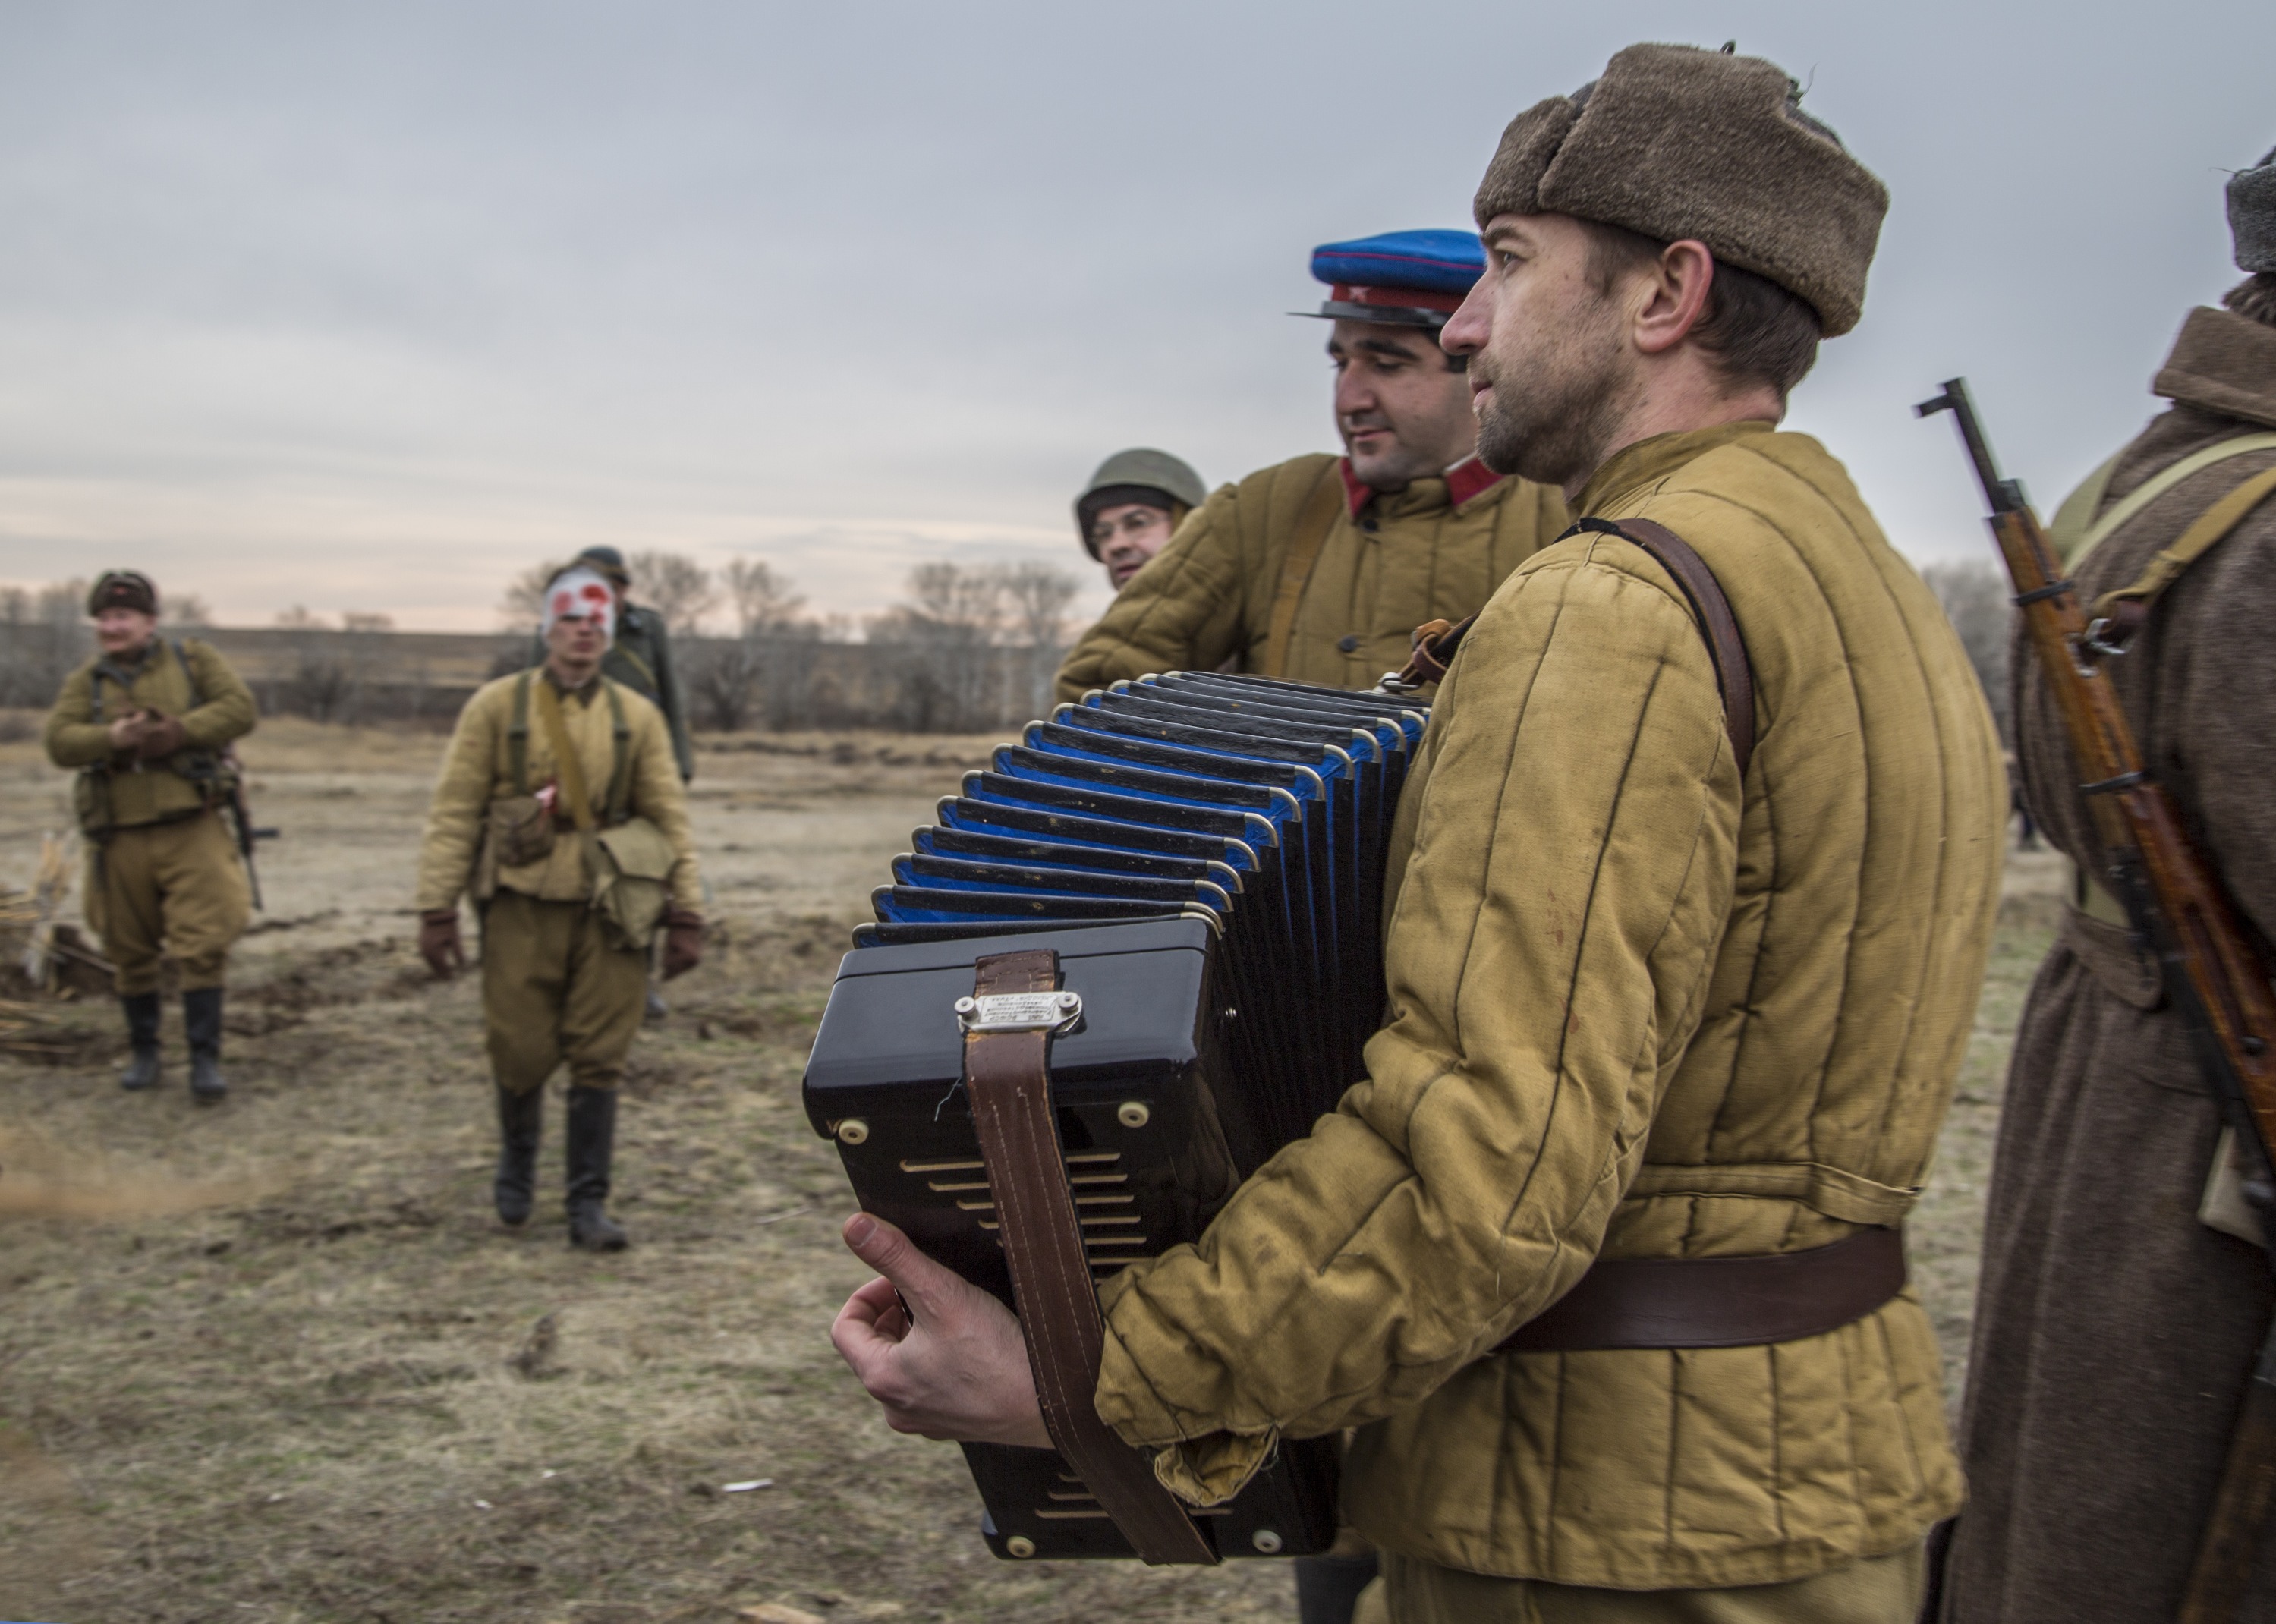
x=1007 y=1076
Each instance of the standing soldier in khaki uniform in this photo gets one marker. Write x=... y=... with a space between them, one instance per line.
x=561 y=812
x=2125 y=1291
x=1134 y=503
x=1677 y=986
x=1320 y=568
x=149 y=724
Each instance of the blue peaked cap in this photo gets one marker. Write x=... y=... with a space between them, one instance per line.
x=1428 y=261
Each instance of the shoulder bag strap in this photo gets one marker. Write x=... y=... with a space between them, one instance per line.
x=517 y=735
x=2097 y=530
x=568 y=771
x=620 y=773
x=1312 y=527
x=190 y=676
x=1007 y=1074
x=2126 y=610
x=1436 y=643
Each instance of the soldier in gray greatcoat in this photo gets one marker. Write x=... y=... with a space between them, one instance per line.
x=2124 y=1291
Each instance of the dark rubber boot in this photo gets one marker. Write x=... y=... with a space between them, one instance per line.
x=521 y=1124
x=592 y=1141
x=142 y=1010
x=201 y=1018
x=1328 y=1587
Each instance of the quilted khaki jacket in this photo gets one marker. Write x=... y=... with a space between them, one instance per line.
x=478 y=769
x=1435 y=551
x=1640 y=1009
x=214 y=706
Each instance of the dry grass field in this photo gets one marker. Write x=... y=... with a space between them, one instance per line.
x=339 y=1392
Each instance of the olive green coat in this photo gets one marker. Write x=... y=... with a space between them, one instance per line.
x=478 y=769
x=1640 y=1009
x=1403 y=560
x=151 y=792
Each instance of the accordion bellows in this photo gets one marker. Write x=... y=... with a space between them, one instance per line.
x=1205 y=854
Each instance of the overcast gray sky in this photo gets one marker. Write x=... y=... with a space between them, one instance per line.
x=368 y=306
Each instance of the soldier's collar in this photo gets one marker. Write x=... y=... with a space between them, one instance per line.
x=1466 y=479
x=2223 y=362
x=1632 y=466
x=582 y=693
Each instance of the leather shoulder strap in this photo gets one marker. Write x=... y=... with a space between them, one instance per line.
x=1008 y=1076
x=1733 y=673
x=517 y=734
x=1436 y=643
x=1313 y=524
x=568 y=770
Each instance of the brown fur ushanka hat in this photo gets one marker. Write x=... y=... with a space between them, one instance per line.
x=1674 y=142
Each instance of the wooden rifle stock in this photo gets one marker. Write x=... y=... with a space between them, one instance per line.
x=2210 y=968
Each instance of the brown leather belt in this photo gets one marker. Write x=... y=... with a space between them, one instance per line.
x=1008 y=1023
x=1718 y=1302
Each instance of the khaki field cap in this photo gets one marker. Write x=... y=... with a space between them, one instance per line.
x=1674 y=142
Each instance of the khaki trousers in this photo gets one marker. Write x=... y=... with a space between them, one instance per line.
x=1884 y=1589
x=173 y=889
x=554 y=990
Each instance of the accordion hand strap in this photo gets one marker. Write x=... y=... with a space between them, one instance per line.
x=1007 y=1074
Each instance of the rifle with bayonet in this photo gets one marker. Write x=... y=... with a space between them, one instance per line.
x=2210 y=964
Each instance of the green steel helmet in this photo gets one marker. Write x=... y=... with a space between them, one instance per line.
x=1139 y=474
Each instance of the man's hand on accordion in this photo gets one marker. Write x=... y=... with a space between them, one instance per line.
x=943 y=1357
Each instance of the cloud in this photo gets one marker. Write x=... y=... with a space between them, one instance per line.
x=326 y=304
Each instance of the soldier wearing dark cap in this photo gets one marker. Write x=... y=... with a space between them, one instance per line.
x=1688 y=914
x=1320 y=568
x=2125 y=1289
x=149 y=724
x=640 y=659
x=1134 y=503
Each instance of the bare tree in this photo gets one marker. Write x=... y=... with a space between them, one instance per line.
x=521 y=606
x=763 y=598
x=187 y=611
x=298 y=618
x=677 y=588
x=15 y=606
x=353 y=620
x=1975 y=597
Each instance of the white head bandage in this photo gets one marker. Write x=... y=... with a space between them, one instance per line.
x=578 y=592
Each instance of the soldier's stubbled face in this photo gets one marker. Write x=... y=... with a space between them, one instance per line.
x=1551 y=369
x=123 y=632
x=1402 y=414
x=1125 y=536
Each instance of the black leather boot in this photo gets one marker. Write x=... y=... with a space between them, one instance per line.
x=521 y=1124
x=142 y=1010
x=201 y=1018
x=592 y=1141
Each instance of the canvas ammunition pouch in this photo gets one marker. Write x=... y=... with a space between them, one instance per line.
x=631 y=886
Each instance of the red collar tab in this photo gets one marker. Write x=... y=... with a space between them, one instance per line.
x=1469 y=478
x=1393 y=297
x=1356 y=494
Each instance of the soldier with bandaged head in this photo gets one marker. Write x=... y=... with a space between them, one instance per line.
x=561 y=815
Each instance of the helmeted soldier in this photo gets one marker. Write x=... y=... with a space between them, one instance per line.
x=1320 y=568
x=640 y=655
x=2125 y=1288
x=1134 y=503
x=149 y=724
x=561 y=813
x=1691 y=890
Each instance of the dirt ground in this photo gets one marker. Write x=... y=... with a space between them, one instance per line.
x=342 y=1392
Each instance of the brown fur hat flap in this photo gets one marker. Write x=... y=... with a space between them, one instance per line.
x=1674 y=142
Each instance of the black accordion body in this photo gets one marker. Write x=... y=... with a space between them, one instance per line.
x=1205 y=856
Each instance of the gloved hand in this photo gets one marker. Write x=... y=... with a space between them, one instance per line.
x=438 y=942
x=127 y=731
x=683 y=942
x=162 y=736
